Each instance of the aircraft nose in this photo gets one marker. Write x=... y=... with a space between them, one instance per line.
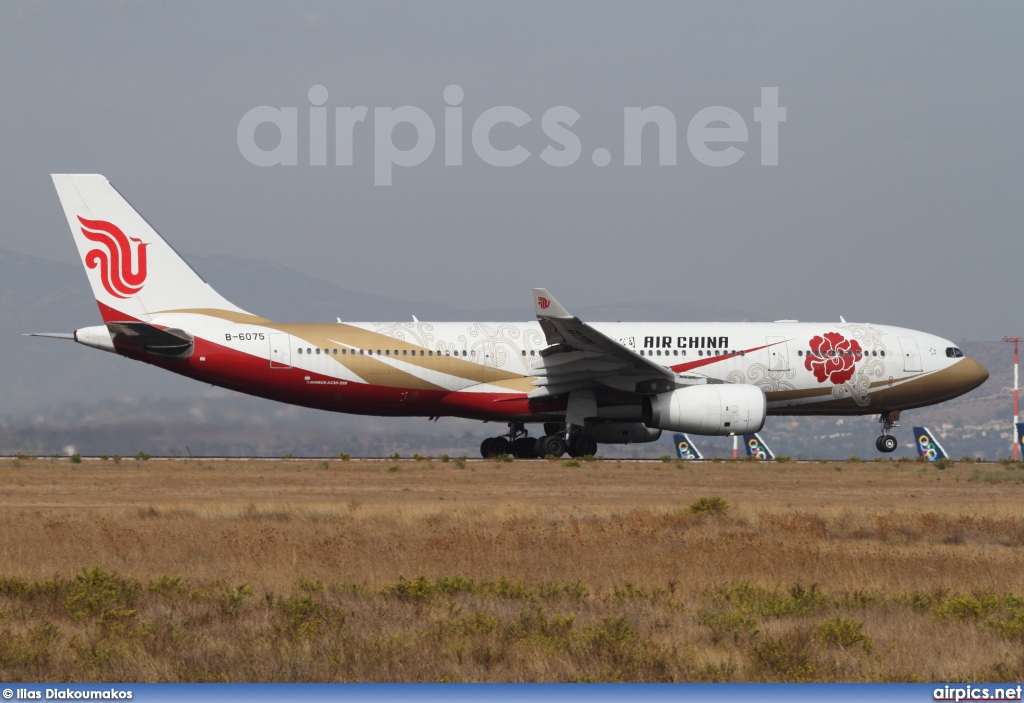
x=970 y=373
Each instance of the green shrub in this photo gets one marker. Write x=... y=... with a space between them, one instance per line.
x=731 y=625
x=94 y=591
x=843 y=632
x=943 y=464
x=344 y=456
x=787 y=657
x=76 y=458
x=708 y=506
x=966 y=607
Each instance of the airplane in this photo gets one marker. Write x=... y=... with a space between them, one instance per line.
x=1020 y=437
x=584 y=383
x=685 y=448
x=756 y=447
x=928 y=448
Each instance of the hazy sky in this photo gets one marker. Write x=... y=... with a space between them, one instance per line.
x=897 y=197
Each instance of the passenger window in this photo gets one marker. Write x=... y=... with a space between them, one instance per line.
x=318 y=350
x=799 y=352
x=524 y=352
x=309 y=351
x=533 y=352
x=700 y=352
x=881 y=353
x=300 y=350
x=430 y=353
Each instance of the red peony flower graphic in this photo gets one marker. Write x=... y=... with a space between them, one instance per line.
x=832 y=358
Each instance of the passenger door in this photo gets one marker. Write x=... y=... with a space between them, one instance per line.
x=778 y=354
x=911 y=355
x=280 y=350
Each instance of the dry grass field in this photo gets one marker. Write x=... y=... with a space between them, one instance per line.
x=173 y=570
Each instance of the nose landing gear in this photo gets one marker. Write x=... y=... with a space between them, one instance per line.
x=887 y=443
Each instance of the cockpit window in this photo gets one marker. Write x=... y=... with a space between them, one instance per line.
x=953 y=353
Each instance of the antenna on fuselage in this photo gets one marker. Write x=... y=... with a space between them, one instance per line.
x=415 y=320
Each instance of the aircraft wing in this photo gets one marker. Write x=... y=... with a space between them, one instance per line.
x=581 y=357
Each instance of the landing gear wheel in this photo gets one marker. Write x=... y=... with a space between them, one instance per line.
x=551 y=444
x=525 y=448
x=886 y=443
x=487 y=448
x=501 y=446
x=582 y=446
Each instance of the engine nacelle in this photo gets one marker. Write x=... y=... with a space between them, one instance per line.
x=713 y=409
x=621 y=433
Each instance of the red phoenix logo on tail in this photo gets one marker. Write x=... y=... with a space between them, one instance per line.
x=115 y=258
x=544 y=303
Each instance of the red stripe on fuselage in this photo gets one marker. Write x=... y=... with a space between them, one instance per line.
x=679 y=368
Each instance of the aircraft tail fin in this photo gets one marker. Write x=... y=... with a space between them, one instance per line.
x=757 y=448
x=1020 y=437
x=685 y=448
x=928 y=447
x=134 y=273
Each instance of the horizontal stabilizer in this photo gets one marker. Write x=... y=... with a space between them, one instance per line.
x=172 y=343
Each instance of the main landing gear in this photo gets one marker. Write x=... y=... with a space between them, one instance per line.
x=887 y=443
x=555 y=442
x=516 y=443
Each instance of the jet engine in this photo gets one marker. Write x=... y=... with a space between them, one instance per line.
x=714 y=409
